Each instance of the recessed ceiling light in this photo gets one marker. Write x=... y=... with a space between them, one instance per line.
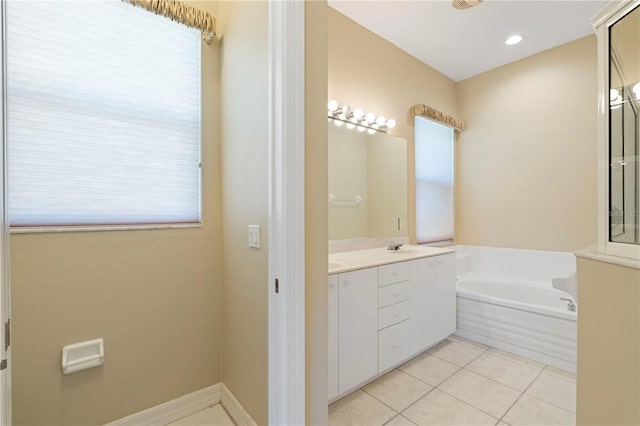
x=514 y=39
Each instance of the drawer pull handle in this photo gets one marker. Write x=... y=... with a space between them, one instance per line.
x=396 y=345
x=395 y=314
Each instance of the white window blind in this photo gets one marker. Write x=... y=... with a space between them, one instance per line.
x=103 y=115
x=434 y=181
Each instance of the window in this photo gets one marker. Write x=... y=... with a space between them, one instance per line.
x=434 y=181
x=103 y=115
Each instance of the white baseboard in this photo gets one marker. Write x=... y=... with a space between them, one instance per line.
x=237 y=412
x=176 y=409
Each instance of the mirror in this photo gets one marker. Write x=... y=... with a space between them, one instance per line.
x=624 y=130
x=367 y=184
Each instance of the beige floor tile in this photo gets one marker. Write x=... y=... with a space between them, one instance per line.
x=532 y=411
x=213 y=416
x=516 y=358
x=438 y=408
x=555 y=390
x=430 y=369
x=359 y=408
x=468 y=342
x=456 y=353
x=398 y=390
x=561 y=373
x=503 y=424
x=505 y=371
x=480 y=392
x=400 y=420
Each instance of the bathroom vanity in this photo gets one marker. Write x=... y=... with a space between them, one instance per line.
x=385 y=307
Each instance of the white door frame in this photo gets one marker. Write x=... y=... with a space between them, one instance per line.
x=286 y=213
x=5 y=286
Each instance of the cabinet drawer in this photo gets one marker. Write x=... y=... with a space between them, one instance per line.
x=394 y=293
x=394 y=345
x=393 y=314
x=393 y=273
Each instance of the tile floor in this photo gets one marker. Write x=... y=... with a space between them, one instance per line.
x=460 y=382
x=215 y=415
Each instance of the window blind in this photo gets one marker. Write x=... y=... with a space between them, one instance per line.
x=103 y=115
x=434 y=181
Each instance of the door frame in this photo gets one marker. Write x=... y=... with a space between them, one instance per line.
x=5 y=276
x=286 y=353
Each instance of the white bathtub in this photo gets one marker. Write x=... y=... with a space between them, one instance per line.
x=516 y=314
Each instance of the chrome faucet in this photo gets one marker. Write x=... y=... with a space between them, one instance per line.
x=394 y=246
x=570 y=306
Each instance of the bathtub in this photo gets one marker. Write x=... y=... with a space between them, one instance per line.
x=509 y=310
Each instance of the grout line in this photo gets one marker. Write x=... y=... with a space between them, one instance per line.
x=399 y=416
x=500 y=383
x=523 y=392
x=433 y=386
x=469 y=404
x=553 y=405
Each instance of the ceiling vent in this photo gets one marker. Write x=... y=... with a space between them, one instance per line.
x=465 y=4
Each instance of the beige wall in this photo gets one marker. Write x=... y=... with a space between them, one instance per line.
x=608 y=344
x=244 y=113
x=316 y=229
x=385 y=80
x=154 y=296
x=526 y=169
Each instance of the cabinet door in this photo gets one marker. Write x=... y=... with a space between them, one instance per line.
x=445 y=295
x=333 y=303
x=423 y=303
x=358 y=327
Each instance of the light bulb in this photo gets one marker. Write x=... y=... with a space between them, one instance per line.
x=613 y=94
x=636 y=90
x=358 y=114
x=391 y=123
x=346 y=109
x=361 y=129
x=332 y=105
x=371 y=131
x=338 y=123
x=371 y=117
x=380 y=121
x=342 y=117
x=350 y=125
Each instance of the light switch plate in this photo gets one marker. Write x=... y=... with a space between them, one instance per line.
x=254 y=236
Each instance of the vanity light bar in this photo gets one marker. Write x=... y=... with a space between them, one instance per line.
x=357 y=119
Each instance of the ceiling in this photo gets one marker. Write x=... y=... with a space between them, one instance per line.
x=465 y=43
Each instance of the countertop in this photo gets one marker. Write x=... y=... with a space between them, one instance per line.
x=360 y=259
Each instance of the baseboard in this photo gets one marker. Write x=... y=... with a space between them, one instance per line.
x=175 y=409
x=235 y=410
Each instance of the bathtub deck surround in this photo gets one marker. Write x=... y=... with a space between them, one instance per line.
x=506 y=299
x=463 y=382
x=386 y=306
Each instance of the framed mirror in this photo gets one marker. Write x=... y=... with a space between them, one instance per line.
x=367 y=184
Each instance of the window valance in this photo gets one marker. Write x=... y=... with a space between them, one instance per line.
x=439 y=116
x=183 y=13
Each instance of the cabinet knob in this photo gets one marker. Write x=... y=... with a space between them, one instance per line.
x=395 y=314
x=345 y=282
x=395 y=294
x=396 y=345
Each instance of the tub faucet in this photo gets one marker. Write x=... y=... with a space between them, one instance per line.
x=570 y=306
x=394 y=246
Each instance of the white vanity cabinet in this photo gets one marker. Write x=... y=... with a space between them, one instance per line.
x=357 y=327
x=381 y=316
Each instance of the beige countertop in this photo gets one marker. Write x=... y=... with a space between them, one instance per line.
x=360 y=259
